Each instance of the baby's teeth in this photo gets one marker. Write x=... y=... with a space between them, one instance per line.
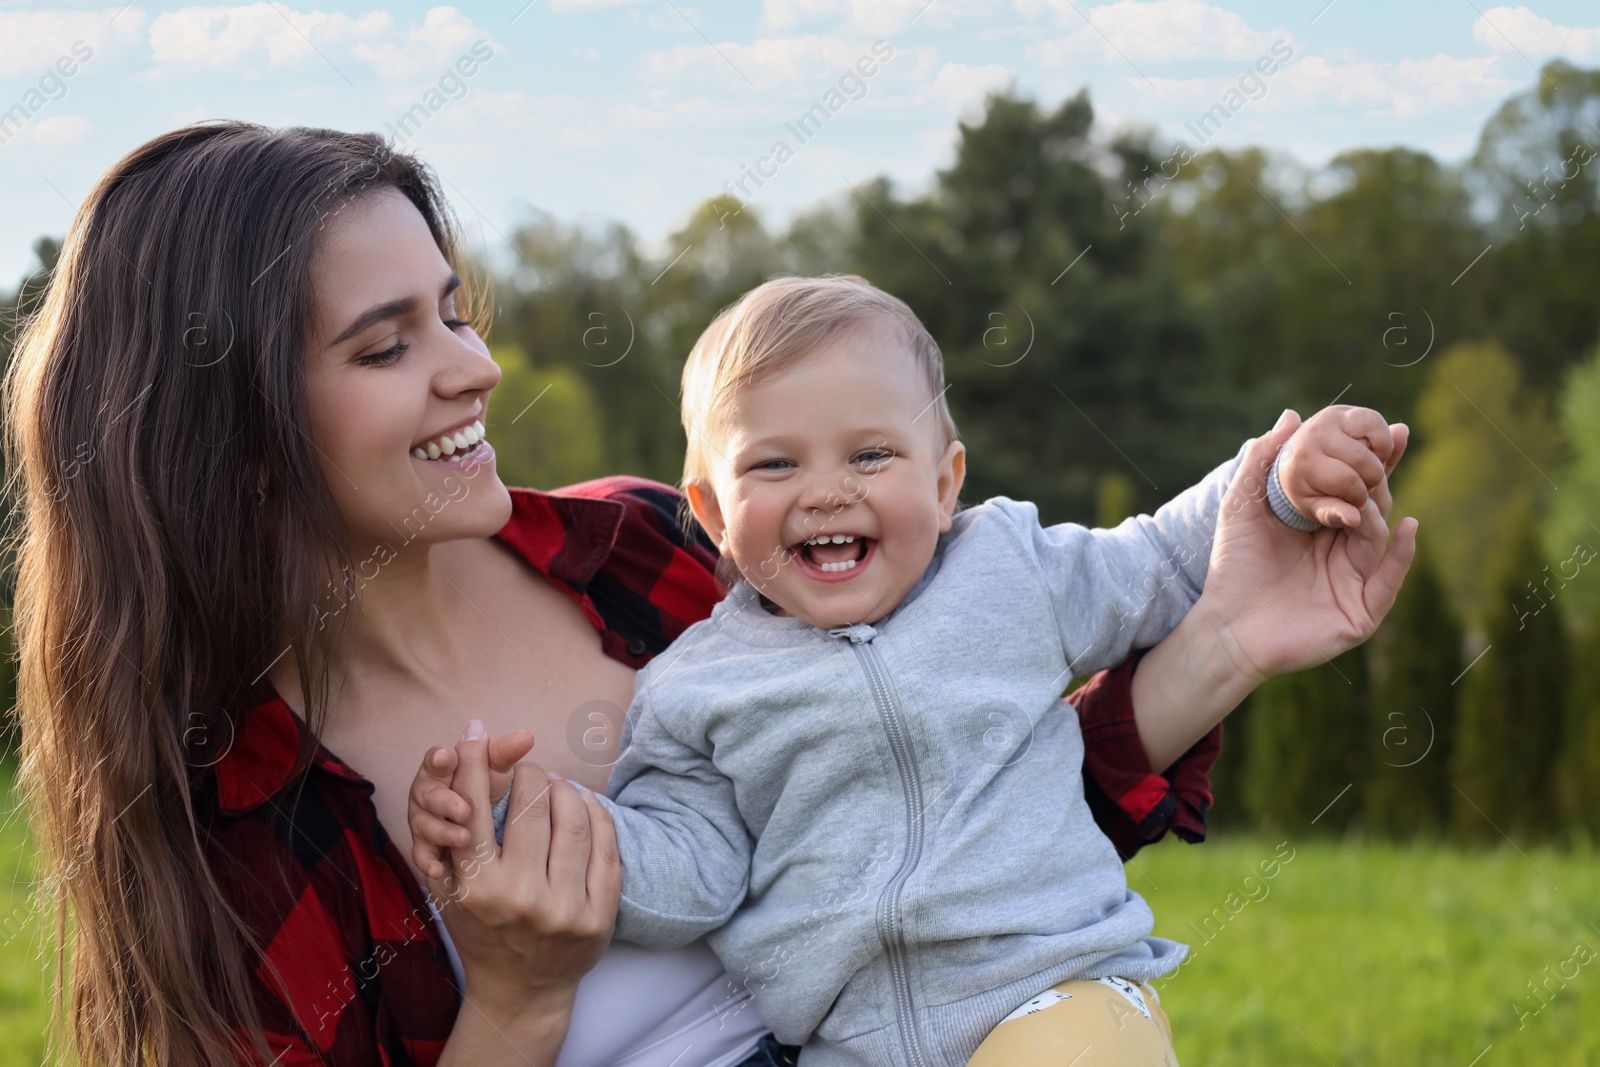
x=461 y=441
x=419 y=453
x=434 y=452
x=842 y=565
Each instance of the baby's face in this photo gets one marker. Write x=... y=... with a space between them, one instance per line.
x=830 y=483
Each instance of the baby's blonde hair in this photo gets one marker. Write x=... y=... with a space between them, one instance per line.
x=776 y=325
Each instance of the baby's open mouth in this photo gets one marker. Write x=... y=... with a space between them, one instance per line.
x=835 y=552
x=451 y=447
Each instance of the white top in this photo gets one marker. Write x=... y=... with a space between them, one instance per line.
x=642 y=1007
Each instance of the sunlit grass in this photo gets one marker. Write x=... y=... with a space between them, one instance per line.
x=1376 y=953
x=1355 y=953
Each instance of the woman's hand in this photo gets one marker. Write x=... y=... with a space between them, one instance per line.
x=529 y=919
x=1287 y=600
x=1275 y=600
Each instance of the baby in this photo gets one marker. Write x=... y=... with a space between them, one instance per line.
x=856 y=778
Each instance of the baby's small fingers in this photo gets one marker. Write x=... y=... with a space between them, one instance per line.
x=427 y=858
x=440 y=763
x=1342 y=450
x=504 y=752
x=1371 y=427
x=1328 y=476
x=440 y=833
x=1335 y=512
x=442 y=802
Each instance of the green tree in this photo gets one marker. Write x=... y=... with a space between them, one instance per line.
x=545 y=426
x=14 y=309
x=1069 y=352
x=1536 y=168
x=1229 y=803
x=1416 y=658
x=1307 y=747
x=1512 y=703
x=1579 y=773
x=1570 y=528
x=1485 y=447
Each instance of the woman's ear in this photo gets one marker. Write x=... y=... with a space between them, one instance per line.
x=952 y=472
x=708 y=513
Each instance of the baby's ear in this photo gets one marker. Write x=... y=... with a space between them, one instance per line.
x=952 y=473
x=708 y=513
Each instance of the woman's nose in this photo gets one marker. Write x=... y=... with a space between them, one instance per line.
x=468 y=368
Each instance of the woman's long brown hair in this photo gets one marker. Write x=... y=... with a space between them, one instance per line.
x=175 y=528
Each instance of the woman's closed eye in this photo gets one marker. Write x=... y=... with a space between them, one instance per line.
x=398 y=349
x=386 y=357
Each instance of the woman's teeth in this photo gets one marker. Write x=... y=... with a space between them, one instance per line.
x=448 y=445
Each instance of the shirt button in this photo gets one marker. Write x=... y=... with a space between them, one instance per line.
x=637 y=647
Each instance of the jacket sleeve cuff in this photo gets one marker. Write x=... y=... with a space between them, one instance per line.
x=1133 y=805
x=1287 y=513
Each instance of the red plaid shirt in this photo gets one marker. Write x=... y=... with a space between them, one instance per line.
x=353 y=971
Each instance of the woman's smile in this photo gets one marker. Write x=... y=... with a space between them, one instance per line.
x=452 y=445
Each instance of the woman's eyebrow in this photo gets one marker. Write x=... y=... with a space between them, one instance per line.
x=394 y=309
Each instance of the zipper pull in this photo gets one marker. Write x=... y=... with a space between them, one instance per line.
x=859 y=634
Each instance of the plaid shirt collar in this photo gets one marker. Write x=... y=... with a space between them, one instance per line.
x=567 y=537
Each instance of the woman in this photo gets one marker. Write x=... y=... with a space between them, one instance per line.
x=259 y=340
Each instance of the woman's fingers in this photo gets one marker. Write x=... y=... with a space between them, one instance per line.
x=1250 y=480
x=1383 y=585
x=570 y=839
x=527 y=837
x=605 y=864
x=472 y=783
x=1402 y=434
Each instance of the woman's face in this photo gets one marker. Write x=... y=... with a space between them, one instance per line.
x=393 y=375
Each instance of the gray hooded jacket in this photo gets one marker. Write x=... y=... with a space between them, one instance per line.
x=880 y=829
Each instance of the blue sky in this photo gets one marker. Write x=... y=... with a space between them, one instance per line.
x=637 y=110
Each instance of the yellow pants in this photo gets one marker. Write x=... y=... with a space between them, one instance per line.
x=1106 y=1022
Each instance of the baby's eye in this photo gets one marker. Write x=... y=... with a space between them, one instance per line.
x=872 y=457
x=773 y=465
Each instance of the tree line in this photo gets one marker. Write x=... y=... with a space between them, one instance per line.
x=1117 y=313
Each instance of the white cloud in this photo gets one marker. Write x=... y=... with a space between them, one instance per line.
x=243 y=39
x=1164 y=31
x=880 y=17
x=958 y=87
x=233 y=37
x=424 y=51
x=569 y=7
x=32 y=41
x=1406 y=89
x=60 y=130
x=1516 y=29
x=795 y=66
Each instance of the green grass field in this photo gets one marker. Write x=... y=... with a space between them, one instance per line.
x=1378 y=953
x=1354 y=953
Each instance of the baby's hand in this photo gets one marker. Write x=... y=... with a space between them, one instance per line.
x=437 y=814
x=1336 y=460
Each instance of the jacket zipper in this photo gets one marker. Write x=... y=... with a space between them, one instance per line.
x=891 y=920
